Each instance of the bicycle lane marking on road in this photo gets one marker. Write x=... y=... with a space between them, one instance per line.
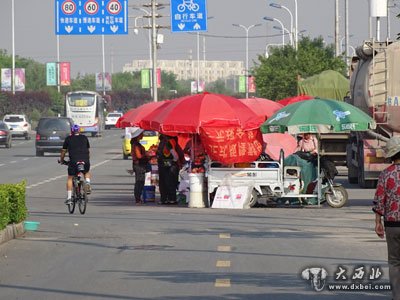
x=65 y=175
x=15 y=161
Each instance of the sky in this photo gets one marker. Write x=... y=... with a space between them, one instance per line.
x=35 y=32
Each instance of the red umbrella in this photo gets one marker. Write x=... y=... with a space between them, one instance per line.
x=274 y=142
x=187 y=114
x=294 y=99
x=262 y=107
x=133 y=116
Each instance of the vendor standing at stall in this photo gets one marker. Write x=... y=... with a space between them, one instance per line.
x=169 y=158
x=139 y=164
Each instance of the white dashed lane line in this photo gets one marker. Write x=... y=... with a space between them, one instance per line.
x=65 y=175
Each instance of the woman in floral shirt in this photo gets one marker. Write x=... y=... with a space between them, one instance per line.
x=387 y=205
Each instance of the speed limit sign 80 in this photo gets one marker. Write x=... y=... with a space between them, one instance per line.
x=68 y=7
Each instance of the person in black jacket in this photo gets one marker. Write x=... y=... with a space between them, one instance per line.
x=169 y=157
x=139 y=164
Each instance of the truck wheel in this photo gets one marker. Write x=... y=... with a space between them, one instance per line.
x=253 y=198
x=352 y=175
x=340 y=199
x=365 y=184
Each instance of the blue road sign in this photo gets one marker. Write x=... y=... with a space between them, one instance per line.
x=91 y=17
x=188 y=15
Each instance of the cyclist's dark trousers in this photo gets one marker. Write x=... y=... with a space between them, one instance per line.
x=72 y=167
x=140 y=174
x=168 y=182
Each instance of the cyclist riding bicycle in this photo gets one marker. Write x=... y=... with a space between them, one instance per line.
x=77 y=145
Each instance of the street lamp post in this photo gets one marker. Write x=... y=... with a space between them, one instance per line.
x=275 y=5
x=13 y=47
x=247 y=53
x=198 y=62
x=296 y=28
x=284 y=31
x=198 y=56
x=280 y=23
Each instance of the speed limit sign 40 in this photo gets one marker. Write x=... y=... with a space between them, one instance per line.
x=114 y=7
x=68 y=7
x=91 y=7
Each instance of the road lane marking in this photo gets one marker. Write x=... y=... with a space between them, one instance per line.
x=65 y=175
x=224 y=248
x=13 y=162
x=223 y=264
x=224 y=235
x=222 y=282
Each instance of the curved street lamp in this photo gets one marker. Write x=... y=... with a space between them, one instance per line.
x=276 y=5
x=280 y=23
x=247 y=52
x=284 y=31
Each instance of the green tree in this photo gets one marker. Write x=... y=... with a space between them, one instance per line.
x=276 y=75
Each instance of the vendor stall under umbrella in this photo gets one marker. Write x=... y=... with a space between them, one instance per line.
x=318 y=116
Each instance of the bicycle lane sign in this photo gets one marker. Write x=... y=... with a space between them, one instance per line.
x=188 y=15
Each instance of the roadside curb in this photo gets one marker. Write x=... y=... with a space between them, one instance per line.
x=12 y=231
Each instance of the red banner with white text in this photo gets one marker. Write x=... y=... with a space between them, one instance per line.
x=231 y=144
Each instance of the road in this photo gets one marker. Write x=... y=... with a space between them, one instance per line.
x=122 y=251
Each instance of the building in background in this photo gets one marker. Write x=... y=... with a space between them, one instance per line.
x=210 y=71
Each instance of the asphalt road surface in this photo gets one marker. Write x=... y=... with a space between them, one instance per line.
x=121 y=251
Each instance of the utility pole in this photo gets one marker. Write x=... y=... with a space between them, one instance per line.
x=154 y=48
x=337 y=28
x=154 y=6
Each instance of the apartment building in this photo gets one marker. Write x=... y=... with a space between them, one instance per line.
x=187 y=69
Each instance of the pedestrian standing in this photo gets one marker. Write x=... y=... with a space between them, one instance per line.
x=387 y=205
x=139 y=164
x=169 y=158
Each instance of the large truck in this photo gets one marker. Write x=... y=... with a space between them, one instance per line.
x=374 y=88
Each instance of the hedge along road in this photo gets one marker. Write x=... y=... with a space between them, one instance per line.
x=121 y=251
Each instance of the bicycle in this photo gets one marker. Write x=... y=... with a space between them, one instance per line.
x=79 y=194
x=188 y=4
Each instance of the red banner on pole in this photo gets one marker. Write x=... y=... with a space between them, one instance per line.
x=251 y=84
x=158 y=78
x=65 y=73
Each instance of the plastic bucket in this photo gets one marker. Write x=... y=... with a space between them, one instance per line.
x=31 y=225
x=197 y=193
x=196 y=182
x=149 y=193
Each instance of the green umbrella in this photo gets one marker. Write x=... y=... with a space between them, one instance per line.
x=318 y=116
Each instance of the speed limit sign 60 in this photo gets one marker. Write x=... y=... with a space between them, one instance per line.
x=68 y=7
x=91 y=7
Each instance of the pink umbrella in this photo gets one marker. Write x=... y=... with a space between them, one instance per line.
x=262 y=107
x=274 y=142
x=294 y=99
x=133 y=116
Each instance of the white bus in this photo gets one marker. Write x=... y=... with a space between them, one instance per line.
x=86 y=109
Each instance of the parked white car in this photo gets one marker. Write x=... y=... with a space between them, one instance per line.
x=111 y=119
x=19 y=124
